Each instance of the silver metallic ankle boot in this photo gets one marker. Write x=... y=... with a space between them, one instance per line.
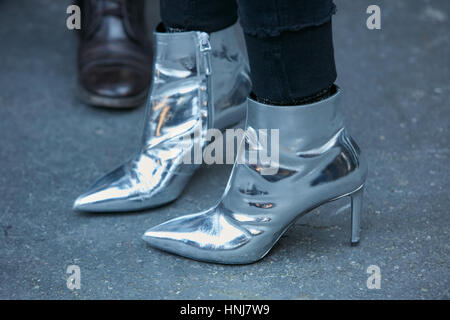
x=200 y=81
x=318 y=163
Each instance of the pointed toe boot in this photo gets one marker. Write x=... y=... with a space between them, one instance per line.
x=317 y=162
x=200 y=81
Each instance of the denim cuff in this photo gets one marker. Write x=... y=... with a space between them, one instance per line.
x=199 y=15
x=270 y=18
x=293 y=65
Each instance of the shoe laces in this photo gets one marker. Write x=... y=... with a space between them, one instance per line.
x=111 y=8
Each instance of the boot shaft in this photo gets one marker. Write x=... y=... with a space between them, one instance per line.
x=301 y=128
x=197 y=79
x=317 y=159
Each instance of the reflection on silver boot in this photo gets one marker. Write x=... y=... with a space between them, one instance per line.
x=318 y=162
x=199 y=81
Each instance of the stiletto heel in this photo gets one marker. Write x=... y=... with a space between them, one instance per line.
x=357 y=201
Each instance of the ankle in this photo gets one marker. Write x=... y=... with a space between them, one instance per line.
x=316 y=97
x=174 y=30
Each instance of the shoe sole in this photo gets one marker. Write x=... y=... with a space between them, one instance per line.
x=108 y=102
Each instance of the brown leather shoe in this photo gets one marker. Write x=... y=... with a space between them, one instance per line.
x=115 y=53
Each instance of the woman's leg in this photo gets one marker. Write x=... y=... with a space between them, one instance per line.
x=198 y=15
x=290 y=47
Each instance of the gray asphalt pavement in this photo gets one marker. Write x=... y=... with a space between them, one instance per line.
x=52 y=146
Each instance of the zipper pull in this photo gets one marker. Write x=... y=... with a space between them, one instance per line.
x=205 y=49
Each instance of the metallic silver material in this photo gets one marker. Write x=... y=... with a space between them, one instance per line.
x=356 y=201
x=199 y=81
x=318 y=162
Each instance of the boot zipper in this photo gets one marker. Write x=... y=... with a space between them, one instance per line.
x=205 y=50
x=205 y=55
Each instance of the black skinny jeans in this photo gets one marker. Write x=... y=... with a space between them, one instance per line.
x=289 y=42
